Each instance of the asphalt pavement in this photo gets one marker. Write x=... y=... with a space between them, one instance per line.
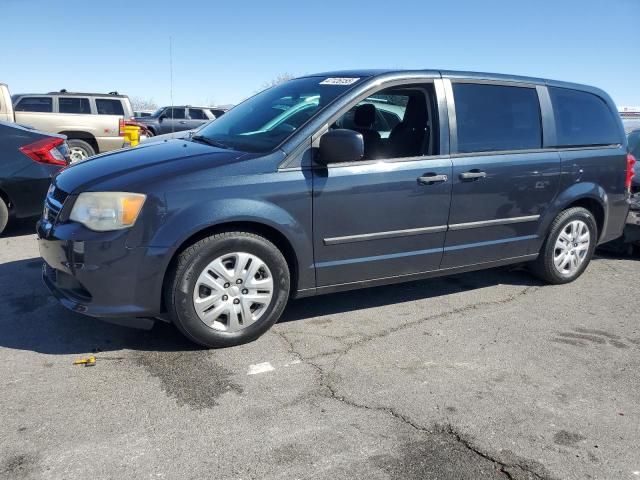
x=487 y=375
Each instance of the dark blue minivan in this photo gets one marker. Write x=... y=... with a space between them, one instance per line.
x=337 y=181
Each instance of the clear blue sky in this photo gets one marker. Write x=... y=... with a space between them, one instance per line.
x=226 y=50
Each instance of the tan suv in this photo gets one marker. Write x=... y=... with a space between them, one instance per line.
x=92 y=122
x=6 y=108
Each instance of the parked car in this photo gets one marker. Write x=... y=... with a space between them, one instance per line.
x=168 y=136
x=29 y=159
x=92 y=122
x=143 y=113
x=631 y=123
x=217 y=231
x=6 y=109
x=178 y=118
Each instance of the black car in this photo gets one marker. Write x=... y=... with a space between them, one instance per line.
x=29 y=159
x=178 y=118
x=300 y=191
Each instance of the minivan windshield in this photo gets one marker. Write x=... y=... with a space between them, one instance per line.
x=265 y=120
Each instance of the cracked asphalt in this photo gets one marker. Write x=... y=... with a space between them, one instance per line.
x=483 y=375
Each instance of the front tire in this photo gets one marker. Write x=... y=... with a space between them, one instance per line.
x=568 y=248
x=4 y=215
x=227 y=289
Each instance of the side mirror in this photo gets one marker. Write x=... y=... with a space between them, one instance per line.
x=162 y=117
x=341 y=145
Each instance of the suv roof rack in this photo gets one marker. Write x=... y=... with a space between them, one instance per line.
x=64 y=91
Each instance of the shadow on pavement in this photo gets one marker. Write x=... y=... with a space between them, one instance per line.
x=19 y=227
x=30 y=319
x=405 y=292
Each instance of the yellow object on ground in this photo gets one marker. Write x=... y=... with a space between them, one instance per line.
x=87 y=362
x=131 y=135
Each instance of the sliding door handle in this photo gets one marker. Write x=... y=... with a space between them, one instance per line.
x=473 y=175
x=431 y=178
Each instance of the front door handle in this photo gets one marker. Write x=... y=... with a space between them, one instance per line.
x=431 y=178
x=182 y=122
x=473 y=175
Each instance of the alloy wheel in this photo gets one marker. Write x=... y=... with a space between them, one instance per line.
x=77 y=154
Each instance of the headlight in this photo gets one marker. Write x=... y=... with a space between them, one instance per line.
x=105 y=211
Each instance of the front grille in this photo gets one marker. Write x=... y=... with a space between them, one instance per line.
x=53 y=204
x=58 y=195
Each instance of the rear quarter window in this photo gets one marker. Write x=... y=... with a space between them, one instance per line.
x=582 y=119
x=35 y=104
x=106 y=106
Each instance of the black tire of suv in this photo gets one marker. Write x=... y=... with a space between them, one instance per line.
x=81 y=145
x=180 y=283
x=4 y=215
x=543 y=266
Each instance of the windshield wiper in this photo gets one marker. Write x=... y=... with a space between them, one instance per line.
x=209 y=141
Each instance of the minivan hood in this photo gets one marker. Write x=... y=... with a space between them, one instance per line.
x=181 y=156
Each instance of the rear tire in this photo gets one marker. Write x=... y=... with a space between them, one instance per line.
x=4 y=215
x=568 y=248
x=227 y=289
x=80 y=150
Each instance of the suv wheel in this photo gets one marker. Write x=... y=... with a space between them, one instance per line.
x=568 y=248
x=227 y=289
x=4 y=215
x=80 y=150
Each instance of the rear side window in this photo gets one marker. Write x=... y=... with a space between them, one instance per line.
x=582 y=119
x=109 y=107
x=175 y=113
x=497 y=118
x=73 y=105
x=35 y=104
x=197 y=114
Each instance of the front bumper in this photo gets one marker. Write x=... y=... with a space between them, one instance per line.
x=97 y=274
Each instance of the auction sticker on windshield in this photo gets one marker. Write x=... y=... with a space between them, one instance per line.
x=339 y=81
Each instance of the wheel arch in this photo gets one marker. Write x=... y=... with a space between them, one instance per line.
x=595 y=207
x=269 y=232
x=81 y=135
x=7 y=200
x=590 y=196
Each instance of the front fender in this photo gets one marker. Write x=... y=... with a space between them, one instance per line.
x=181 y=225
